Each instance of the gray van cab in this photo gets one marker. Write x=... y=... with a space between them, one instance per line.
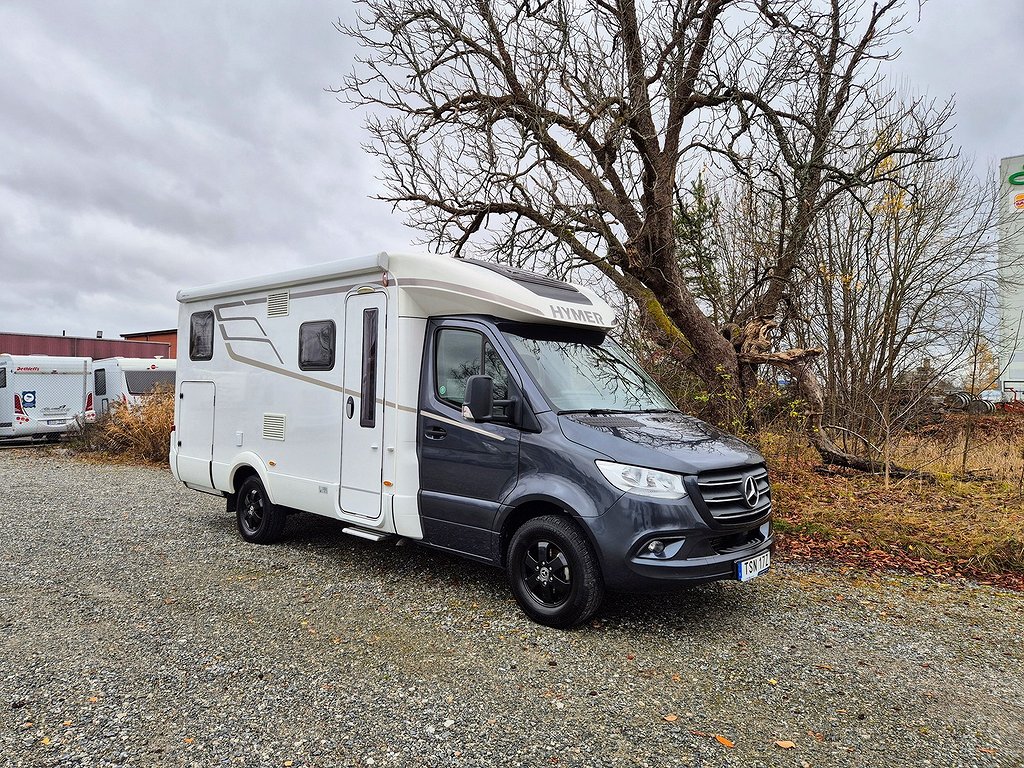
x=581 y=474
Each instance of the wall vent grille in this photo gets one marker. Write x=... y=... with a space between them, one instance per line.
x=277 y=304
x=273 y=426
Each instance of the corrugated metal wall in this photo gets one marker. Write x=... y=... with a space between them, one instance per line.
x=170 y=337
x=71 y=346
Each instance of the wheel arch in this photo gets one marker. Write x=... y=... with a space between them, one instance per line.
x=528 y=508
x=244 y=467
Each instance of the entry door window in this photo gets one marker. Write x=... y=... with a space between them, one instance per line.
x=368 y=377
x=461 y=354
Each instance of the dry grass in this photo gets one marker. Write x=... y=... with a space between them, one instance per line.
x=969 y=524
x=135 y=433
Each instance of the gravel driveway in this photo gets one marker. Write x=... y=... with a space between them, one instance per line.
x=138 y=629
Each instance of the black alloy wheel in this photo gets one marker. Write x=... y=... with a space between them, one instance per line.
x=546 y=573
x=554 y=573
x=260 y=521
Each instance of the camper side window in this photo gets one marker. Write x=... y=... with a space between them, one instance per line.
x=200 y=337
x=100 y=382
x=316 y=345
x=461 y=354
x=3 y=378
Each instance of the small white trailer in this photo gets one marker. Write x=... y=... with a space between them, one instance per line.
x=42 y=396
x=471 y=407
x=128 y=380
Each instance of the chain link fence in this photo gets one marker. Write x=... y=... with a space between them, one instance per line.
x=42 y=398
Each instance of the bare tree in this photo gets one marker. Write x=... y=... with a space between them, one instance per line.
x=563 y=130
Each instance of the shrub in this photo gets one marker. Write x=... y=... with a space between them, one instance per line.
x=138 y=433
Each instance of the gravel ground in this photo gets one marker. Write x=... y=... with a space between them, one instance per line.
x=138 y=629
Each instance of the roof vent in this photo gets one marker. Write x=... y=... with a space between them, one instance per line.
x=277 y=304
x=273 y=426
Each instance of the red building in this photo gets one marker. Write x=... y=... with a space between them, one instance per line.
x=75 y=346
x=167 y=337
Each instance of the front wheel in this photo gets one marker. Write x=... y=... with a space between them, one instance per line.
x=260 y=521
x=554 y=573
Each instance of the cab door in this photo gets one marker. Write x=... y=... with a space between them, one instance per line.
x=466 y=468
x=362 y=431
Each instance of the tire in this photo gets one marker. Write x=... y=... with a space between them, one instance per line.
x=554 y=572
x=260 y=521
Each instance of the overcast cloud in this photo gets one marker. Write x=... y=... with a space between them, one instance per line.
x=150 y=147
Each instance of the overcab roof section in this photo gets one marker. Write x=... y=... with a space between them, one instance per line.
x=431 y=285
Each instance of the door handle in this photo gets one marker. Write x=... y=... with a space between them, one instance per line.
x=350 y=407
x=435 y=433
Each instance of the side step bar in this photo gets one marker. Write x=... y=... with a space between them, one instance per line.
x=362 y=533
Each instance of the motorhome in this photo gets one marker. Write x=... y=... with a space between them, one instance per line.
x=128 y=380
x=475 y=408
x=42 y=396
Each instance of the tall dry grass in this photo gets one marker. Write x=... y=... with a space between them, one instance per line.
x=139 y=433
x=972 y=519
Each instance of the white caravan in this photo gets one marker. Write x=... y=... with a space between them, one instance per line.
x=128 y=380
x=42 y=396
x=474 y=408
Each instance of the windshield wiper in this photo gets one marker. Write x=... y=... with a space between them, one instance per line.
x=593 y=411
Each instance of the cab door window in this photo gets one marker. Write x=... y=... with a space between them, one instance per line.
x=461 y=354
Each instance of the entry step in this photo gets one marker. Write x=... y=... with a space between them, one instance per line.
x=365 y=534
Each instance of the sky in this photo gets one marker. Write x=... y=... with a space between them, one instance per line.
x=150 y=147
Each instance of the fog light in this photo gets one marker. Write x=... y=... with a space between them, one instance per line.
x=657 y=547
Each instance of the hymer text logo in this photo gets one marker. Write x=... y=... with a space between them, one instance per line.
x=571 y=313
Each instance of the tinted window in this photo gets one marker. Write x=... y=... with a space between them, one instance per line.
x=200 y=337
x=316 y=345
x=461 y=354
x=144 y=382
x=100 y=382
x=3 y=378
x=368 y=384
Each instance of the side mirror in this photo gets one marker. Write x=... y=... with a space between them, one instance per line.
x=479 y=402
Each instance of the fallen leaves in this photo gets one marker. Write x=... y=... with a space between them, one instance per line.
x=717 y=737
x=783 y=744
x=670 y=718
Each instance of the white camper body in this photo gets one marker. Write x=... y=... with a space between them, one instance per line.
x=336 y=435
x=42 y=396
x=128 y=380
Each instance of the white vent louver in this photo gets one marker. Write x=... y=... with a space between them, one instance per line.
x=273 y=426
x=277 y=304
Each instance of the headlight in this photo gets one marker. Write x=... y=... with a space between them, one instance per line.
x=643 y=481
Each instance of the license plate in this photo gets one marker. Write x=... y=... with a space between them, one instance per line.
x=56 y=422
x=755 y=566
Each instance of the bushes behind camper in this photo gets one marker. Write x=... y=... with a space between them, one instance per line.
x=135 y=432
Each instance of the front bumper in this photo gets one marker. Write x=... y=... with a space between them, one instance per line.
x=697 y=549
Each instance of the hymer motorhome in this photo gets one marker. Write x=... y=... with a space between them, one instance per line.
x=475 y=408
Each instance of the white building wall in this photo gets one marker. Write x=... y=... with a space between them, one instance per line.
x=1011 y=274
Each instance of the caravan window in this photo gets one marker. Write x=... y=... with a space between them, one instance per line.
x=200 y=337
x=368 y=385
x=145 y=382
x=100 y=382
x=461 y=354
x=3 y=378
x=316 y=345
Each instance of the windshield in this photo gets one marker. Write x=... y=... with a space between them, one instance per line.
x=580 y=376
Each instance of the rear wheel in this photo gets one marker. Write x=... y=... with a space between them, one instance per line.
x=260 y=521
x=554 y=573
